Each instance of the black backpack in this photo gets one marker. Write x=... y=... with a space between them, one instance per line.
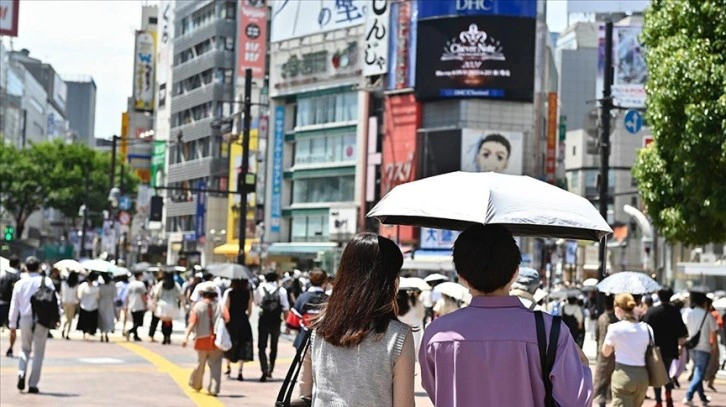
x=45 y=306
x=7 y=283
x=271 y=306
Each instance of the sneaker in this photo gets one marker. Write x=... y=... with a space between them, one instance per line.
x=21 y=382
x=33 y=390
x=263 y=378
x=687 y=402
x=705 y=402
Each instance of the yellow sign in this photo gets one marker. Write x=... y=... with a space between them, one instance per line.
x=233 y=201
x=124 y=136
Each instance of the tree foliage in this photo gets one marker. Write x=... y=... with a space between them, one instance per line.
x=682 y=175
x=53 y=175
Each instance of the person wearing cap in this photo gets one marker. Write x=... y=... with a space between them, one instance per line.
x=700 y=321
x=487 y=354
x=32 y=335
x=526 y=288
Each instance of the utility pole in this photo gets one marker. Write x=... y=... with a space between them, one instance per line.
x=242 y=179
x=85 y=212
x=606 y=105
x=113 y=161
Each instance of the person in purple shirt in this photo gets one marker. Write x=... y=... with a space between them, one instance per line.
x=487 y=354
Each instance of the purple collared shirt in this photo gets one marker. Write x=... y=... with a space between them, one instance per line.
x=486 y=355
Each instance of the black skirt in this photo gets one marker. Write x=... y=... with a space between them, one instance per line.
x=87 y=321
x=240 y=331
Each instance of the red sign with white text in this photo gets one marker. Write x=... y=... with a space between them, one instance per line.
x=399 y=153
x=252 y=39
x=550 y=162
x=9 y=17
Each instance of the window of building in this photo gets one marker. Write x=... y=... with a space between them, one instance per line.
x=341 y=107
x=310 y=228
x=326 y=149
x=328 y=189
x=574 y=150
x=229 y=11
x=575 y=179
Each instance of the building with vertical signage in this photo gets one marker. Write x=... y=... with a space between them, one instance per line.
x=317 y=149
x=199 y=91
x=81 y=109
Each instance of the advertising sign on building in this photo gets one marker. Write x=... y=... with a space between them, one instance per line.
x=233 y=201
x=629 y=70
x=342 y=223
x=492 y=150
x=551 y=153
x=9 y=11
x=476 y=57
x=438 y=239
x=399 y=160
x=402 y=52
x=144 y=71
x=293 y=19
x=606 y=6
x=199 y=214
x=278 y=144
x=252 y=38
x=165 y=53
x=377 y=33
x=158 y=162
x=458 y=8
x=124 y=136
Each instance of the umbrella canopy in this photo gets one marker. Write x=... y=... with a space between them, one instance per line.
x=561 y=294
x=453 y=290
x=101 y=266
x=120 y=271
x=435 y=277
x=524 y=205
x=230 y=270
x=69 y=265
x=631 y=282
x=413 y=283
x=4 y=263
x=143 y=266
x=590 y=282
x=720 y=303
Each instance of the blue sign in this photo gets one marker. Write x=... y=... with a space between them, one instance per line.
x=438 y=238
x=278 y=143
x=124 y=203
x=199 y=225
x=633 y=121
x=453 y=8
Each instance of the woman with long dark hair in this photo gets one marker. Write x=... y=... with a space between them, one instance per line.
x=88 y=294
x=69 y=299
x=360 y=354
x=237 y=300
x=167 y=297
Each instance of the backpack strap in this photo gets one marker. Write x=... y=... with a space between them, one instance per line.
x=547 y=354
x=288 y=385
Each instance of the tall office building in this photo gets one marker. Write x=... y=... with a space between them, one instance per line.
x=81 y=109
x=201 y=91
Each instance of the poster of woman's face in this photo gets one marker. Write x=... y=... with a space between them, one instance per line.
x=491 y=150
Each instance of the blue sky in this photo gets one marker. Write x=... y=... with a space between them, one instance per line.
x=96 y=38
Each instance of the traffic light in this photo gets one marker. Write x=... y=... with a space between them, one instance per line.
x=9 y=233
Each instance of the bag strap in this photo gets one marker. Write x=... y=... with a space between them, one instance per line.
x=288 y=385
x=702 y=321
x=547 y=353
x=211 y=317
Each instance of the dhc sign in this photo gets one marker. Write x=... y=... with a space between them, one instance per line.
x=453 y=8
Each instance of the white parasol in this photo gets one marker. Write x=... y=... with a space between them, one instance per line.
x=454 y=290
x=69 y=265
x=413 y=283
x=98 y=265
x=435 y=277
x=524 y=205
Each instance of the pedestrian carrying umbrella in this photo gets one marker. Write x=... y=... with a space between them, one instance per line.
x=4 y=263
x=69 y=265
x=230 y=270
x=453 y=290
x=631 y=282
x=413 y=283
x=524 y=205
x=435 y=277
x=98 y=265
x=564 y=293
x=590 y=282
x=720 y=303
x=143 y=266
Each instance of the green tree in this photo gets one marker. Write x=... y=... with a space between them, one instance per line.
x=682 y=175
x=22 y=185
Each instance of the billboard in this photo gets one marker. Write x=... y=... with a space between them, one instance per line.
x=252 y=38
x=144 y=71
x=551 y=154
x=492 y=150
x=165 y=55
x=606 y=6
x=476 y=57
x=629 y=70
x=375 y=51
x=293 y=19
x=402 y=49
x=9 y=11
x=458 y=8
x=233 y=200
x=158 y=163
x=278 y=144
x=201 y=210
x=399 y=147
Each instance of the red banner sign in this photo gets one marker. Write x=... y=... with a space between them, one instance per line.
x=551 y=157
x=252 y=39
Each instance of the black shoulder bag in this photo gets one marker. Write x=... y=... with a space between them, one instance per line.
x=692 y=342
x=288 y=386
x=547 y=354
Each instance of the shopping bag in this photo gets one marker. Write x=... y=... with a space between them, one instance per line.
x=222 y=340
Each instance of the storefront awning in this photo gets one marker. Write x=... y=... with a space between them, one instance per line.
x=302 y=248
x=429 y=260
x=232 y=249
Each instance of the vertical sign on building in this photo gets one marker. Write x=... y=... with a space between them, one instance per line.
x=402 y=41
x=158 y=161
x=252 y=38
x=144 y=71
x=9 y=17
x=551 y=137
x=375 y=53
x=124 y=136
x=165 y=55
x=278 y=142
x=199 y=226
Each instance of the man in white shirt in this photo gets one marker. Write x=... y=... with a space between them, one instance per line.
x=136 y=295
x=32 y=336
x=272 y=299
x=8 y=278
x=700 y=320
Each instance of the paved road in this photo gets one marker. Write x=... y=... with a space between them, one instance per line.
x=122 y=373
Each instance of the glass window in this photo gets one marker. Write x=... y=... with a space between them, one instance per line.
x=575 y=179
x=327 y=109
x=326 y=149
x=329 y=189
x=299 y=228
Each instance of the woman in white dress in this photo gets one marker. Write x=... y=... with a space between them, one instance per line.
x=168 y=297
x=411 y=311
x=88 y=293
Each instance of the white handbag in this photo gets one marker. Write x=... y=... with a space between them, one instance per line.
x=222 y=339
